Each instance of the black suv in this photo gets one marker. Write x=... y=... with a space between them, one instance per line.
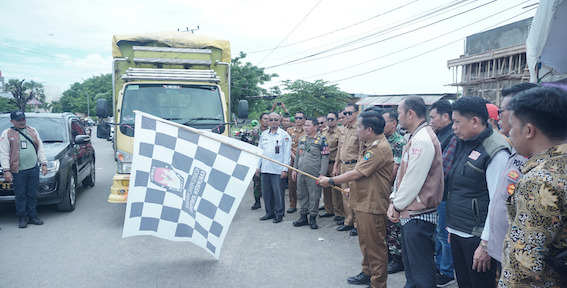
x=70 y=159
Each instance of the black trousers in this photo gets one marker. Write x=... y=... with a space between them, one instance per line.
x=418 y=246
x=463 y=252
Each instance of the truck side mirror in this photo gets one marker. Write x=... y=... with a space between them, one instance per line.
x=242 y=109
x=103 y=130
x=102 y=108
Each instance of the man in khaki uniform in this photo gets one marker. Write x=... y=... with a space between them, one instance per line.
x=296 y=133
x=369 y=197
x=312 y=158
x=332 y=198
x=345 y=161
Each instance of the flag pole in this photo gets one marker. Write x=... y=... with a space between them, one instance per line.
x=202 y=133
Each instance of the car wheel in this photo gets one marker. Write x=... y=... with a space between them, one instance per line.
x=68 y=198
x=90 y=180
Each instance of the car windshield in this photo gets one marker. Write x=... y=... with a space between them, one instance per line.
x=197 y=106
x=50 y=129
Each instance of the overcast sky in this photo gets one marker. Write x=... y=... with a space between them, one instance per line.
x=364 y=46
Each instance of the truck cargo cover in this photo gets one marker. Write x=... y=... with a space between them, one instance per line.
x=173 y=39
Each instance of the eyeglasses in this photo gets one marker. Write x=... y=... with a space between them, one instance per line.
x=321 y=123
x=331 y=119
x=274 y=119
x=299 y=118
x=348 y=112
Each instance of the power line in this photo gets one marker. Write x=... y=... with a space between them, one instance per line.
x=335 y=31
x=419 y=55
x=48 y=55
x=415 y=45
x=400 y=24
x=290 y=32
x=376 y=42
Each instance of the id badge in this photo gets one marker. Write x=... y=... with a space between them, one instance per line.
x=277 y=147
x=24 y=144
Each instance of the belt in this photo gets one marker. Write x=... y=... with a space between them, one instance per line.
x=348 y=162
x=332 y=161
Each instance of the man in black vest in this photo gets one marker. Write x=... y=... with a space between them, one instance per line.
x=480 y=156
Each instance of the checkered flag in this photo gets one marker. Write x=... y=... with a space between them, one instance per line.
x=186 y=184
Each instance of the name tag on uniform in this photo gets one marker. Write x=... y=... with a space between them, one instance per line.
x=24 y=144
x=474 y=155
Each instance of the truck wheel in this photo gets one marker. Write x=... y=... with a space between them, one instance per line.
x=68 y=198
x=90 y=180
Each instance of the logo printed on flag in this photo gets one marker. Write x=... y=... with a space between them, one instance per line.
x=186 y=184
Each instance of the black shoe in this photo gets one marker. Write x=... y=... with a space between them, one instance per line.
x=345 y=228
x=326 y=215
x=301 y=222
x=361 y=278
x=35 y=221
x=266 y=217
x=291 y=210
x=338 y=218
x=341 y=222
x=23 y=222
x=278 y=219
x=443 y=281
x=313 y=222
x=395 y=264
x=257 y=204
x=353 y=232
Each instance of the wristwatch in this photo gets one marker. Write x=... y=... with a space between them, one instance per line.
x=483 y=245
x=331 y=182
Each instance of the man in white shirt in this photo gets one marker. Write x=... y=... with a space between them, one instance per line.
x=276 y=144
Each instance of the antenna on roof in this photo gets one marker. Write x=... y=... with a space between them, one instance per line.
x=189 y=30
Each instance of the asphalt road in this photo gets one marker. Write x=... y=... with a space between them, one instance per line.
x=85 y=248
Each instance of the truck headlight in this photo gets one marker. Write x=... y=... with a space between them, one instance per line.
x=124 y=162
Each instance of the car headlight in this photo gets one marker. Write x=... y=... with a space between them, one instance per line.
x=124 y=161
x=52 y=166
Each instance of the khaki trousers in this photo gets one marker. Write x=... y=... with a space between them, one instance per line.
x=372 y=240
x=349 y=213
x=333 y=198
x=292 y=190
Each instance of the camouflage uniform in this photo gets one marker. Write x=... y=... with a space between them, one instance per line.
x=394 y=230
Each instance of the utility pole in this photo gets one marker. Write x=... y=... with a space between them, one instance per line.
x=189 y=30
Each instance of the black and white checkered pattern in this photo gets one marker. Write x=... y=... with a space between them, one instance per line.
x=203 y=184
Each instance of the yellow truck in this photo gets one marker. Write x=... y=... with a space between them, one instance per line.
x=177 y=76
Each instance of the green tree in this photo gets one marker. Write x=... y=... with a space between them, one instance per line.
x=245 y=81
x=314 y=99
x=24 y=92
x=74 y=99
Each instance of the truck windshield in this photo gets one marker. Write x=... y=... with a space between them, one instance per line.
x=198 y=106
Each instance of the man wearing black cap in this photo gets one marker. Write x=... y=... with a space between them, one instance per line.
x=21 y=149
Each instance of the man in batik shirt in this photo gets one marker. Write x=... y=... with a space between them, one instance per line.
x=537 y=208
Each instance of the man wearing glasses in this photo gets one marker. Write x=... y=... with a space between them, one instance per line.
x=345 y=161
x=322 y=121
x=332 y=198
x=296 y=133
x=276 y=145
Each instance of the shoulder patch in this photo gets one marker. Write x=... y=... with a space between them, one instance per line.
x=367 y=155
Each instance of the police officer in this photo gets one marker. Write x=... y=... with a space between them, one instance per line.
x=312 y=158
x=345 y=161
x=369 y=197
